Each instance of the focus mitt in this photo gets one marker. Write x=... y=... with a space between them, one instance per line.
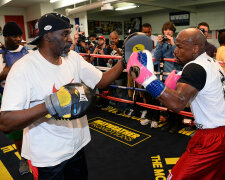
x=70 y=102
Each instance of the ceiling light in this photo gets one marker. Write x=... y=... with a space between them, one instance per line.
x=126 y=7
x=52 y=1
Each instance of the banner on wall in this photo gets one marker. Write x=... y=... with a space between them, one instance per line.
x=104 y=27
x=180 y=18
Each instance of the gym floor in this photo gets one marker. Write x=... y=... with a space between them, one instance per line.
x=121 y=148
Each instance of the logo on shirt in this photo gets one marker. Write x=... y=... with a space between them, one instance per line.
x=54 y=90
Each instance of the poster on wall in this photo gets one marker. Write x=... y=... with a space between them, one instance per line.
x=180 y=18
x=133 y=25
x=32 y=31
x=104 y=27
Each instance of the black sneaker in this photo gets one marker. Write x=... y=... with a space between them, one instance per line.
x=23 y=167
x=119 y=112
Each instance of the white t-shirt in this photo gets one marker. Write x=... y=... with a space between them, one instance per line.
x=208 y=106
x=48 y=142
x=154 y=39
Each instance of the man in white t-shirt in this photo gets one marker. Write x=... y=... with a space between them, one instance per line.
x=54 y=148
x=202 y=84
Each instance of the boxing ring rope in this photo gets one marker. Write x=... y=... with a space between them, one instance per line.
x=184 y=113
x=119 y=57
x=189 y=114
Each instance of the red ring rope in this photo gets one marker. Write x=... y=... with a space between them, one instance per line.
x=119 y=57
x=189 y=114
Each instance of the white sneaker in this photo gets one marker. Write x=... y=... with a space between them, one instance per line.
x=143 y=114
x=154 y=124
x=145 y=122
x=130 y=113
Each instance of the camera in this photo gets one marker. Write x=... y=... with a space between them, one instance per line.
x=203 y=30
x=98 y=46
x=82 y=38
x=107 y=42
x=112 y=42
x=165 y=39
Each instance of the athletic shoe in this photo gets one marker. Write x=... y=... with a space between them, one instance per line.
x=154 y=124
x=145 y=122
x=119 y=112
x=130 y=113
x=143 y=114
x=23 y=167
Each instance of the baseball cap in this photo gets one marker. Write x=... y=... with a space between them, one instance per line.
x=49 y=23
x=101 y=37
x=12 y=29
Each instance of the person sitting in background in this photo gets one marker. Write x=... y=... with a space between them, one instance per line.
x=165 y=49
x=12 y=52
x=220 y=55
x=209 y=48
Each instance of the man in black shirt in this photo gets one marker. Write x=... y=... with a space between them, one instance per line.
x=209 y=48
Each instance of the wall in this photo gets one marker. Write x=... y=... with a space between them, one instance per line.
x=215 y=17
x=12 y=11
x=105 y=18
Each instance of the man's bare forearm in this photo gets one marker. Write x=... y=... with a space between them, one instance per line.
x=15 y=120
x=111 y=75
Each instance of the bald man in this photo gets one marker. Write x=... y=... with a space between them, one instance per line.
x=202 y=84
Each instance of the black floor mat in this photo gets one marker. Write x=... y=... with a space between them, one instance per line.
x=123 y=149
x=120 y=149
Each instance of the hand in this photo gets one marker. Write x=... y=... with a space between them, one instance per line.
x=140 y=67
x=172 y=78
x=70 y=102
x=170 y=40
x=160 y=39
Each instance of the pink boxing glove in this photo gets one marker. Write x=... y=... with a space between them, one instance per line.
x=140 y=67
x=172 y=78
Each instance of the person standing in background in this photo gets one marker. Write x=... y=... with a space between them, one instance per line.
x=209 y=48
x=165 y=49
x=220 y=55
x=12 y=52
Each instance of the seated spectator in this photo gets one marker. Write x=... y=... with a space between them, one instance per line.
x=209 y=48
x=220 y=55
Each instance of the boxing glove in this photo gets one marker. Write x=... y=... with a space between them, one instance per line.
x=172 y=78
x=70 y=102
x=140 y=67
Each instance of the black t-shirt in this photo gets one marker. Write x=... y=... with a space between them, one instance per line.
x=194 y=75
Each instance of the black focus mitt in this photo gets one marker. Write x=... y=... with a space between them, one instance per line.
x=70 y=102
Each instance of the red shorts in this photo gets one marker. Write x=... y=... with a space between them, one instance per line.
x=204 y=158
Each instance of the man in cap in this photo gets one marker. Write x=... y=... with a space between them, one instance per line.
x=102 y=50
x=12 y=52
x=54 y=148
